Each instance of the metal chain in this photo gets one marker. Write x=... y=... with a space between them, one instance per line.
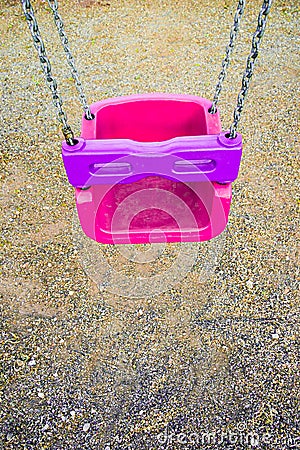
x=46 y=66
x=256 y=40
x=64 y=40
x=233 y=34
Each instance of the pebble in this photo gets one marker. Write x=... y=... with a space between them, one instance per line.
x=9 y=437
x=86 y=427
x=249 y=284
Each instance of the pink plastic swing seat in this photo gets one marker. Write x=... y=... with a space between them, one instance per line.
x=152 y=168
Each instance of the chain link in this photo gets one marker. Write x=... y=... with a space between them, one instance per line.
x=46 y=66
x=64 y=40
x=233 y=34
x=256 y=40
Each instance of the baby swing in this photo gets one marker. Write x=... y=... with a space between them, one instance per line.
x=151 y=167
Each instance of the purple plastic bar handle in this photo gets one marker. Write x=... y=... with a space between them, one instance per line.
x=185 y=159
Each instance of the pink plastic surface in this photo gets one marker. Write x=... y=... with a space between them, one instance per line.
x=154 y=207
x=151 y=118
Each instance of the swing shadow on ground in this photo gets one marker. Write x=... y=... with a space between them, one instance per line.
x=145 y=270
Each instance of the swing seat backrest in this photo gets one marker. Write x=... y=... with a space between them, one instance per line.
x=151 y=118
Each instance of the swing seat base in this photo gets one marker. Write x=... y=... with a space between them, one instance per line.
x=153 y=168
x=153 y=209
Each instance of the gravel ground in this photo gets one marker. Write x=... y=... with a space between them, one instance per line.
x=210 y=358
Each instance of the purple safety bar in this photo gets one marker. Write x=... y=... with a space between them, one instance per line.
x=185 y=159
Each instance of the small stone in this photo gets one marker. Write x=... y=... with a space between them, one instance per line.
x=45 y=427
x=275 y=336
x=249 y=284
x=32 y=362
x=86 y=427
x=41 y=395
x=72 y=414
x=9 y=437
x=71 y=293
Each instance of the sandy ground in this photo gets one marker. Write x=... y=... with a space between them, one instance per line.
x=208 y=355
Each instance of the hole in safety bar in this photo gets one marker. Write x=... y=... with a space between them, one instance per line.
x=204 y=165
x=113 y=168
